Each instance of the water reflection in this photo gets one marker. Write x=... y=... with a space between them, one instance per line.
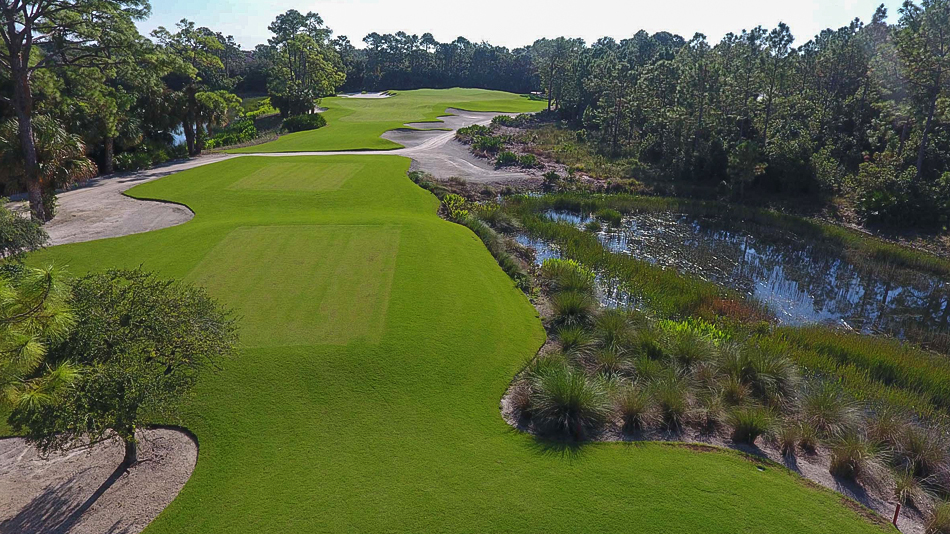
x=801 y=282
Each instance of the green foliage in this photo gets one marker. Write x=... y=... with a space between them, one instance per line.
x=506 y=158
x=939 y=520
x=456 y=207
x=633 y=406
x=470 y=134
x=748 y=423
x=826 y=408
x=259 y=109
x=567 y=275
x=18 y=235
x=34 y=314
x=303 y=123
x=138 y=345
x=670 y=394
x=237 y=133
x=528 y=161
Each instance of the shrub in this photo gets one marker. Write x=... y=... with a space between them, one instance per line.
x=528 y=161
x=18 y=235
x=470 y=133
x=488 y=143
x=593 y=226
x=748 y=423
x=633 y=407
x=240 y=132
x=853 y=457
x=301 y=123
x=572 y=308
x=455 y=206
x=506 y=158
x=828 y=410
x=565 y=400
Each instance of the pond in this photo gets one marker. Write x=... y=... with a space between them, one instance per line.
x=800 y=282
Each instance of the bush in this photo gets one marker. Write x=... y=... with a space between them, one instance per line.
x=565 y=400
x=469 y=133
x=240 y=132
x=18 y=235
x=455 y=206
x=528 y=161
x=506 y=158
x=572 y=308
x=853 y=457
x=301 y=123
x=748 y=423
x=488 y=143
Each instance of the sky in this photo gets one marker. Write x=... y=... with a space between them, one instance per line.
x=515 y=23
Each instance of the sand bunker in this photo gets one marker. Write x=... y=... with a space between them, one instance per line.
x=83 y=492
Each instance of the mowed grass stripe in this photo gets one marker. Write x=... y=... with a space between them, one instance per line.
x=290 y=175
x=402 y=434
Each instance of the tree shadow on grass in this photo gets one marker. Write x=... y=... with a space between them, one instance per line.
x=55 y=510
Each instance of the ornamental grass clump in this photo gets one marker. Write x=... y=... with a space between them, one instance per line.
x=671 y=398
x=939 y=520
x=826 y=408
x=922 y=451
x=749 y=422
x=787 y=436
x=854 y=457
x=573 y=308
x=633 y=406
x=566 y=401
x=575 y=341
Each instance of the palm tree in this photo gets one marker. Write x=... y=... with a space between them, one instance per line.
x=61 y=160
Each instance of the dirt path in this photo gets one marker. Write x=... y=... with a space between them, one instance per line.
x=99 y=209
x=83 y=492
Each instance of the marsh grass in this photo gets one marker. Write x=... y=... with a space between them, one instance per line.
x=939 y=520
x=828 y=409
x=633 y=407
x=573 y=308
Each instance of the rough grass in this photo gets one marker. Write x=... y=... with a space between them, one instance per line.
x=358 y=123
x=396 y=428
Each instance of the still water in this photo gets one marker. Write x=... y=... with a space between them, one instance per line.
x=800 y=282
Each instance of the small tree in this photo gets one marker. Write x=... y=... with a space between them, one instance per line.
x=139 y=345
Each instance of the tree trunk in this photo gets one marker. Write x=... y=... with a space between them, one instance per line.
x=23 y=107
x=131 y=453
x=191 y=122
x=108 y=165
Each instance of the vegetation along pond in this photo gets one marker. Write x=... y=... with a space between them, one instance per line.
x=800 y=282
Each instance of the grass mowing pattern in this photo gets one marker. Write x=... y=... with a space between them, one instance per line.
x=394 y=426
x=358 y=123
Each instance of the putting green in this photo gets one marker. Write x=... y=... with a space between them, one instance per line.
x=378 y=342
x=358 y=123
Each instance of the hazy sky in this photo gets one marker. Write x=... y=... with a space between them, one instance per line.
x=514 y=23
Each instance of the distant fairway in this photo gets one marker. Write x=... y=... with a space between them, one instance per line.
x=358 y=123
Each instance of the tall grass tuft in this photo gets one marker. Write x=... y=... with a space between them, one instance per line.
x=854 y=457
x=573 y=308
x=939 y=520
x=688 y=348
x=633 y=407
x=826 y=408
x=749 y=422
x=922 y=451
x=566 y=401
x=671 y=396
x=576 y=341
x=787 y=437
x=614 y=330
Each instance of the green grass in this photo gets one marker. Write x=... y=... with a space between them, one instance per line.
x=358 y=123
x=378 y=340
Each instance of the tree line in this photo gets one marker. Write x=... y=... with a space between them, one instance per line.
x=860 y=111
